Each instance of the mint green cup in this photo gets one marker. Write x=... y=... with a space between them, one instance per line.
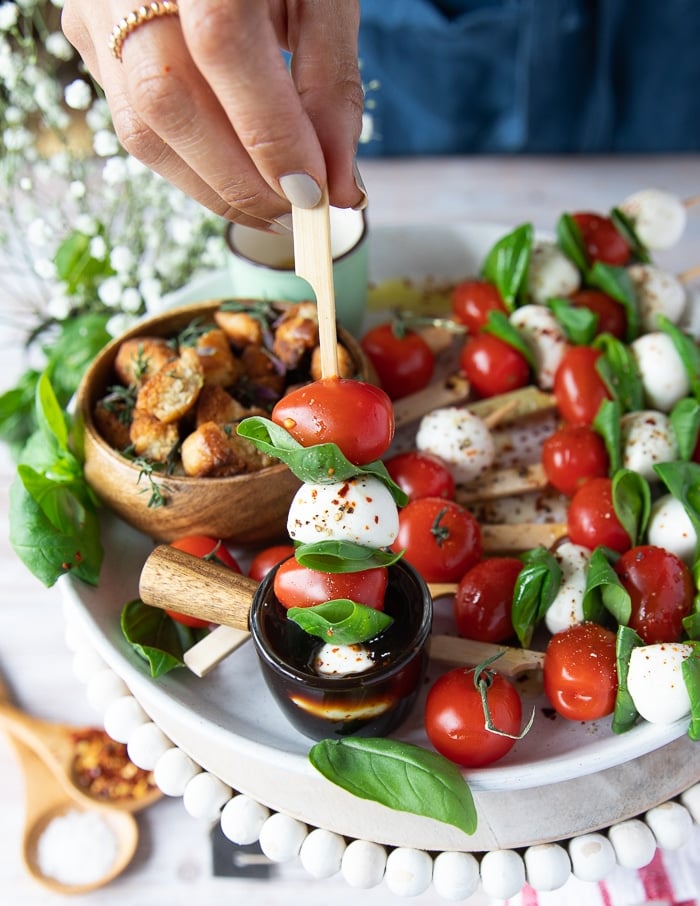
x=261 y=266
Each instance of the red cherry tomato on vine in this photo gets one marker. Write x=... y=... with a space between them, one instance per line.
x=355 y=415
x=441 y=539
x=578 y=388
x=402 y=359
x=592 y=520
x=455 y=720
x=601 y=239
x=493 y=366
x=472 y=301
x=661 y=588
x=572 y=455
x=484 y=599
x=421 y=475
x=267 y=559
x=612 y=317
x=580 y=672
x=299 y=586
x=208 y=549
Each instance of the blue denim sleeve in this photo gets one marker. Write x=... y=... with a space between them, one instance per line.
x=530 y=76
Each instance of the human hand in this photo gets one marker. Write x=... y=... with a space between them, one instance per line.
x=205 y=99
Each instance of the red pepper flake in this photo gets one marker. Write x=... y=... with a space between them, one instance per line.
x=103 y=769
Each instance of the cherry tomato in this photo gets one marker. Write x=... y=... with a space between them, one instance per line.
x=299 y=586
x=580 y=672
x=601 y=239
x=612 y=317
x=267 y=559
x=455 y=720
x=356 y=416
x=472 y=301
x=484 y=600
x=493 y=366
x=402 y=359
x=441 y=539
x=421 y=475
x=208 y=549
x=592 y=520
x=661 y=588
x=572 y=455
x=578 y=388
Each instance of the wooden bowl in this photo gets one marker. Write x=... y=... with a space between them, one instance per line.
x=243 y=509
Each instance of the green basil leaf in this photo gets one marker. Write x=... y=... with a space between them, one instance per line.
x=500 y=326
x=615 y=281
x=625 y=714
x=632 y=502
x=607 y=424
x=571 y=243
x=49 y=552
x=318 y=464
x=691 y=625
x=342 y=621
x=507 y=262
x=535 y=588
x=156 y=637
x=625 y=227
x=578 y=322
x=343 y=556
x=688 y=351
x=690 y=669
x=683 y=481
x=17 y=412
x=73 y=349
x=618 y=369
x=49 y=415
x=605 y=591
x=400 y=776
x=685 y=424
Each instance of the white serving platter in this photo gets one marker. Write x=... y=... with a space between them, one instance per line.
x=563 y=779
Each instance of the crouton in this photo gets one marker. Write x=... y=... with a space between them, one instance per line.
x=260 y=371
x=346 y=366
x=112 y=416
x=216 y=450
x=173 y=390
x=151 y=438
x=217 y=405
x=139 y=358
x=218 y=362
x=296 y=334
x=241 y=327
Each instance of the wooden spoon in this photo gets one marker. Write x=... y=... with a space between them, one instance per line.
x=173 y=579
x=55 y=744
x=47 y=799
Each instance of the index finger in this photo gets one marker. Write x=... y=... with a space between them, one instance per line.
x=236 y=46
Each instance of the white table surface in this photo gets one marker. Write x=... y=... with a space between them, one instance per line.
x=173 y=863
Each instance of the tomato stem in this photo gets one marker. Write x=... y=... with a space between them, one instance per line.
x=441 y=533
x=483 y=679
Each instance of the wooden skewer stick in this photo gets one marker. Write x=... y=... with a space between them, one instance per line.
x=454 y=390
x=313 y=260
x=512 y=661
x=690 y=202
x=507 y=537
x=691 y=274
x=503 y=483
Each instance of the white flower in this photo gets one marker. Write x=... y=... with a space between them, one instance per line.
x=86 y=224
x=17 y=139
x=78 y=94
x=9 y=16
x=58 y=46
x=131 y=300
x=121 y=258
x=39 y=232
x=77 y=189
x=180 y=230
x=13 y=115
x=110 y=292
x=114 y=171
x=119 y=323
x=151 y=291
x=59 y=305
x=98 y=116
x=105 y=143
x=45 y=268
x=98 y=248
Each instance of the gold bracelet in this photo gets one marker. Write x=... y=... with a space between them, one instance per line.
x=146 y=13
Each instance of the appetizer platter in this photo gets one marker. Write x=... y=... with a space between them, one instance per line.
x=562 y=773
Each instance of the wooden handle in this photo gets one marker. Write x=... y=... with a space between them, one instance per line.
x=174 y=580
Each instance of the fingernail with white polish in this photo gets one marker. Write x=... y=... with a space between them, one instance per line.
x=282 y=224
x=359 y=182
x=300 y=190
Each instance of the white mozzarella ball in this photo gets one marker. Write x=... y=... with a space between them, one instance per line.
x=647 y=438
x=550 y=274
x=360 y=510
x=655 y=682
x=341 y=660
x=659 y=217
x=460 y=439
x=663 y=376
x=657 y=293
x=567 y=607
x=670 y=527
x=546 y=339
